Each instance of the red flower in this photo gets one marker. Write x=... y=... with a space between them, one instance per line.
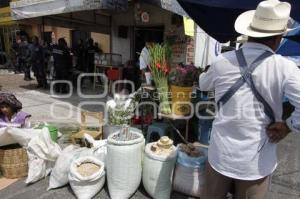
x=158 y=65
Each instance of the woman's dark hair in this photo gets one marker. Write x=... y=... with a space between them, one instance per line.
x=14 y=109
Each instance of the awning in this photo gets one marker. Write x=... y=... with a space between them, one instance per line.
x=291 y=44
x=23 y=9
x=170 y=5
x=217 y=17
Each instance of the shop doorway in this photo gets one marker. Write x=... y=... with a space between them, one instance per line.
x=48 y=38
x=78 y=34
x=142 y=34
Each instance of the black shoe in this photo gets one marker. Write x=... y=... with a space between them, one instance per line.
x=30 y=79
x=39 y=86
x=26 y=79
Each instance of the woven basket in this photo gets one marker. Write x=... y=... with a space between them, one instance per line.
x=13 y=161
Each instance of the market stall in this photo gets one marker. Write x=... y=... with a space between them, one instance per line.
x=91 y=155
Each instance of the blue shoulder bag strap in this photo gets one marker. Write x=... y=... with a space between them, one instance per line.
x=246 y=73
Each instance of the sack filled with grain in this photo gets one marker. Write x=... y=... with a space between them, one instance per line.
x=60 y=172
x=124 y=163
x=190 y=168
x=158 y=166
x=86 y=177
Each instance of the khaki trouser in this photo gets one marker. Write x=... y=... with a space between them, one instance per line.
x=217 y=186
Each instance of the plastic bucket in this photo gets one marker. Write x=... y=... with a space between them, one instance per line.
x=181 y=98
x=53 y=133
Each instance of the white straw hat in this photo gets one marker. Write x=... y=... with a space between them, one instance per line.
x=270 y=18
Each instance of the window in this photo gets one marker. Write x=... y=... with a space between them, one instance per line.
x=4 y=3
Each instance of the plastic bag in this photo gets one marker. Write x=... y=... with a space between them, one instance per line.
x=158 y=173
x=59 y=174
x=189 y=175
x=124 y=166
x=42 y=153
x=23 y=136
x=85 y=187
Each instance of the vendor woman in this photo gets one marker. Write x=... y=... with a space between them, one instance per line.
x=10 y=112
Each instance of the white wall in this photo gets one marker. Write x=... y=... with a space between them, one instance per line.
x=103 y=40
x=206 y=48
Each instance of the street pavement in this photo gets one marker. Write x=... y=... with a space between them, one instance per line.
x=38 y=102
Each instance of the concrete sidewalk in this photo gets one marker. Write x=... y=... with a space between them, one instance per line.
x=285 y=181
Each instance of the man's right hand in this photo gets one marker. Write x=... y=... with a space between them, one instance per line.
x=278 y=131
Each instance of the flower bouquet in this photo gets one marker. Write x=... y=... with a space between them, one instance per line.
x=184 y=75
x=182 y=78
x=160 y=56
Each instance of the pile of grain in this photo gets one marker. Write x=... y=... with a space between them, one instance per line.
x=191 y=150
x=87 y=169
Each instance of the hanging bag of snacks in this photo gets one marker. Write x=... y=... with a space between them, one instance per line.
x=124 y=163
x=86 y=177
x=158 y=166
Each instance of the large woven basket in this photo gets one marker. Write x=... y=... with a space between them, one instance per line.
x=13 y=161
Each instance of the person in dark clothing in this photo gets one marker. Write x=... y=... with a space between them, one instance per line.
x=97 y=48
x=90 y=56
x=38 y=62
x=14 y=57
x=24 y=58
x=79 y=53
x=62 y=64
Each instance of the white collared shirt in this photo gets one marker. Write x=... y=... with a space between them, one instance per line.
x=239 y=129
x=144 y=58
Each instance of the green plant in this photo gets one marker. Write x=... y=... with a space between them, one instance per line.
x=160 y=58
x=121 y=109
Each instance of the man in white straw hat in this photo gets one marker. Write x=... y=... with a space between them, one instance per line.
x=249 y=87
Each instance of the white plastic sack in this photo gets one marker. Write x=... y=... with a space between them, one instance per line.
x=59 y=174
x=124 y=166
x=22 y=136
x=5 y=138
x=38 y=168
x=42 y=152
x=158 y=173
x=86 y=187
x=99 y=147
x=189 y=175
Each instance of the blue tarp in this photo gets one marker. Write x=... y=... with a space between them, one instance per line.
x=291 y=45
x=217 y=17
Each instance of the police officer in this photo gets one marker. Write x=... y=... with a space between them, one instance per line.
x=38 y=62
x=79 y=53
x=62 y=64
x=24 y=58
x=90 y=56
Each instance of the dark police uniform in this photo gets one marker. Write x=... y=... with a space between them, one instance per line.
x=38 y=64
x=24 y=58
x=62 y=66
x=90 y=58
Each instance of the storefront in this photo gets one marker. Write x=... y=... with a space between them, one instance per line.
x=145 y=21
x=72 y=20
